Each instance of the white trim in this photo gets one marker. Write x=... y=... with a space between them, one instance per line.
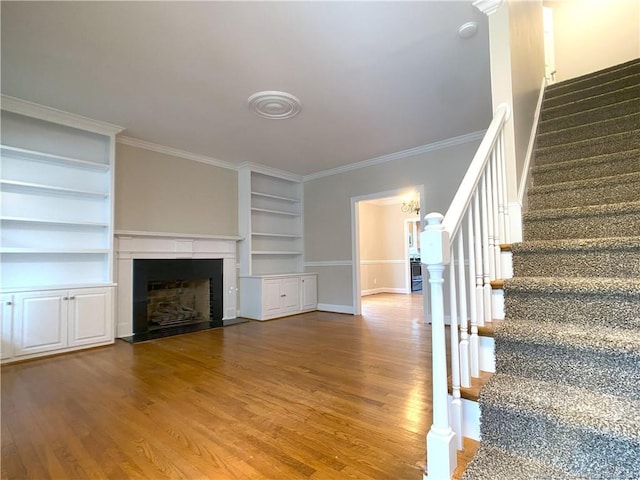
x=376 y=262
x=515 y=221
x=174 y=152
x=450 y=142
x=522 y=187
x=30 y=109
x=134 y=233
x=266 y=170
x=327 y=307
x=488 y=7
x=329 y=263
x=375 y=291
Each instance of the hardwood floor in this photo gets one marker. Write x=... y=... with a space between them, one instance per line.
x=316 y=396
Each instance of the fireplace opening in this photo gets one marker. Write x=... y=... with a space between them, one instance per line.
x=173 y=296
x=178 y=302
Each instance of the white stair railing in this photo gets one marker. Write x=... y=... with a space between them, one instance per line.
x=467 y=238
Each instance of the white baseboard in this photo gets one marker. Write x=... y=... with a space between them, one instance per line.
x=486 y=352
x=374 y=291
x=497 y=304
x=515 y=221
x=327 y=307
x=470 y=418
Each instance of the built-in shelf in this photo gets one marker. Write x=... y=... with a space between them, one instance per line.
x=280 y=235
x=8 y=185
x=53 y=222
x=276 y=197
x=50 y=158
x=275 y=212
x=8 y=250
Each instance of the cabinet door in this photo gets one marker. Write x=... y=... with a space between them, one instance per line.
x=6 y=311
x=272 y=297
x=308 y=292
x=40 y=322
x=90 y=316
x=290 y=296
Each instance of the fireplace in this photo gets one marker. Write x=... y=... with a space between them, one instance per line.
x=172 y=296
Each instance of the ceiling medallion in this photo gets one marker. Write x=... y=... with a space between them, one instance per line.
x=276 y=105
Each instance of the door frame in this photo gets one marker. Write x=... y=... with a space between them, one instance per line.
x=355 y=234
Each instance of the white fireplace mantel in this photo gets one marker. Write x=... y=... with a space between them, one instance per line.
x=131 y=245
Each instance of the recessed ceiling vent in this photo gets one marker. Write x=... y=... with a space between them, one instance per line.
x=276 y=105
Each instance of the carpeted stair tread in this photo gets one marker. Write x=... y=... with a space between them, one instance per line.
x=613 y=85
x=591 y=147
x=590 y=116
x=572 y=134
x=594 y=78
x=617 y=163
x=593 y=191
x=575 y=429
x=587 y=286
x=580 y=105
x=597 y=357
x=600 y=257
x=590 y=221
x=586 y=301
x=491 y=463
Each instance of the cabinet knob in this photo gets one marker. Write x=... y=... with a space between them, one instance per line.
x=72 y=298
x=65 y=298
x=9 y=303
x=283 y=295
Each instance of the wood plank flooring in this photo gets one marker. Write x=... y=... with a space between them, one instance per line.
x=315 y=396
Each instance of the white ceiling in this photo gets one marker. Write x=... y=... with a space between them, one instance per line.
x=374 y=78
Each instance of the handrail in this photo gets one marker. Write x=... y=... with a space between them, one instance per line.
x=460 y=202
x=472 y=251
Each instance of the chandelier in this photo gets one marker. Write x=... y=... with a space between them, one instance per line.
x=411 y=203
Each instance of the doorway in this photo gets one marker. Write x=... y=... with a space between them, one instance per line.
x=380 y=243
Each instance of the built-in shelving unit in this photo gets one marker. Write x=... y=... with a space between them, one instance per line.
x=56 y=230
x=272 y=278
x=270 y=222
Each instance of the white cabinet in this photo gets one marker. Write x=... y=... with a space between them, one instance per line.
x=280 y=296
x=308 y=292
x=263 y=297
x=59 y=320
x=6 y=318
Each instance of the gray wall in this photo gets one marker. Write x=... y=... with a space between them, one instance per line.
x=527 y=71
x=327 y=208
x=156 y=192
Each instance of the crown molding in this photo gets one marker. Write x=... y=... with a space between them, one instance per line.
x=450 y=142
x=488 y=7
x=41 y=112
x=256 y=167
x=174 y=152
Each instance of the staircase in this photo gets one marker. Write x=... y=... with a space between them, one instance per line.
x=565 y=399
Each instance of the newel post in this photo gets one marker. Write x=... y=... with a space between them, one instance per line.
x=435 y=254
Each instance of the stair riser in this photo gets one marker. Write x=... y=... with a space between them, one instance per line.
x=567 y=445
x=574 y=96
x=615 y=311
x=584 y=226
x=606 y=373
x=603 y=100
x=587 y=81
x=590 y=263
x=584 y=132
x=591 y=116
x=588 y=148
x=594 y=195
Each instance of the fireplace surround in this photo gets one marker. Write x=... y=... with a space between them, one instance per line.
x=131 y=246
